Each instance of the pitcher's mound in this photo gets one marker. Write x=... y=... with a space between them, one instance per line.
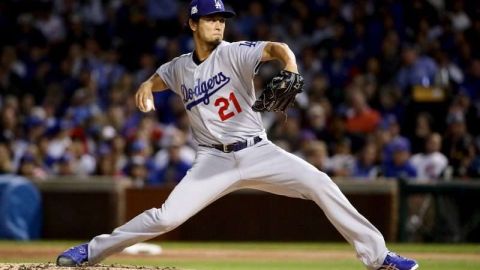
x=48 y=266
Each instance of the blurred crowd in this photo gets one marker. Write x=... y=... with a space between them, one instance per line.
x=392 y=87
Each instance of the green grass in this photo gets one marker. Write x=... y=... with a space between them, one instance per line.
x=309 y=246
x=344 y=264
x=465 y=256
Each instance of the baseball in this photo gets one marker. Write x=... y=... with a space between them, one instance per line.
x=148 y=105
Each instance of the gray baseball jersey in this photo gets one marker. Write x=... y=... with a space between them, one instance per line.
x=219 y=92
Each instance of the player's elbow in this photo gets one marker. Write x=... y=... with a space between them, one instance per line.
x=284 y=45
x=278 y=51
x=280 y=48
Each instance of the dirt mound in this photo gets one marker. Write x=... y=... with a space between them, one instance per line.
x=47 y=266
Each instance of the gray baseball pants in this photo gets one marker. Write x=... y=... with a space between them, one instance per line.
x=263 y=166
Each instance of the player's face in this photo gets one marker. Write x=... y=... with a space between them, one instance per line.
x=210 y=29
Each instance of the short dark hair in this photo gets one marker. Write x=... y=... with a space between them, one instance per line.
x=186 y=26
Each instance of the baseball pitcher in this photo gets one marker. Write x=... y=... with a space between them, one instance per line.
x=215 y=82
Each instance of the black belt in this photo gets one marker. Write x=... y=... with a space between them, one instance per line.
x=233 y=147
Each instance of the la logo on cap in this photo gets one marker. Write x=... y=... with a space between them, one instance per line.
x=218 y=4
x=194 y=10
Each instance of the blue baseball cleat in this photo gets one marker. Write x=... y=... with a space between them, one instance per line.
x=74 y=256
x=397 y=262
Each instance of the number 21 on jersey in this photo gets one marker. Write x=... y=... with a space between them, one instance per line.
x=224 y=112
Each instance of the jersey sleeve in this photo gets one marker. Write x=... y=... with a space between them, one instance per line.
x=168 y=74
x=248 y=56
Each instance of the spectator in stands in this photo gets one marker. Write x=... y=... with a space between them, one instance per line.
x=390 y=59
x=119 y=153
x=173 y=162
x=80 y=60
x=164 y=12
x=449 y=75
x=253 y=18
x=342 y=161
x=65 y=165
x=35 y=127
x=110 y=153
x=106 y=74
x=338 y=69
x=296 y=36
x=416 y=70
x=389 y=130
x=93 y=12
x=366 y=165
x=61 y=139
x=391 y=102
x=147 y=67
x=361 y=118
x=334 y=132
x=370 y=79
x=50 y=24
x=30 y=168
x=9 y=120
x=10 y=60
x=458 y=145
x=472 y=80
x=422 y=132
x=45 y=160
x=6 y=165
x=460 y=20
x=27 y=35
x=10 y=83
x=105 y=164
x=311 y=66
x=316 y=153
x=432 y=163
x=287 y=129
x=140 y=164
x=399 y=165
x=474 y=169
x=137 y=170
x=316 y=119
x=174 y=137
x=83 y=162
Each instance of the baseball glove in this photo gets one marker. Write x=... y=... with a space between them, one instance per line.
x=279 y=93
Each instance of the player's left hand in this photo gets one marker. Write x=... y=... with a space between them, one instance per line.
x=279 y=93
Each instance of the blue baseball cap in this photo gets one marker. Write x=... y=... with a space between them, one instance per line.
x=199 y=8
x=400 y=145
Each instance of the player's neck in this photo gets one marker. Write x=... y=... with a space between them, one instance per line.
x=203 y=50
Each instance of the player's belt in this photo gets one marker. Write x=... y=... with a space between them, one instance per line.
x=236 y=146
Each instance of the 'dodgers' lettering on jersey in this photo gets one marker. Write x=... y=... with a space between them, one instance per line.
x=202 y=90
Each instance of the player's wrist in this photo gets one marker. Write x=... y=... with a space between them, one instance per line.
x=147 y=86
x=292 y=67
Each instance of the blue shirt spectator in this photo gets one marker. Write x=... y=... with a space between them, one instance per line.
x=399 y=165
x=417 y=70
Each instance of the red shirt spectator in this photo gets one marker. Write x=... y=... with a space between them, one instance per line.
x=360 y=117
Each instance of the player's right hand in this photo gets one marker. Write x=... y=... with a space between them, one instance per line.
x=143 y=97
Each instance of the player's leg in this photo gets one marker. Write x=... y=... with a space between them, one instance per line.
x=212 y=176
x=285 y=174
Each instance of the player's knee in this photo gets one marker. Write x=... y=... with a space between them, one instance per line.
x=318 y=180
x=319 y=177
x=324 y=177
x=317 y=184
